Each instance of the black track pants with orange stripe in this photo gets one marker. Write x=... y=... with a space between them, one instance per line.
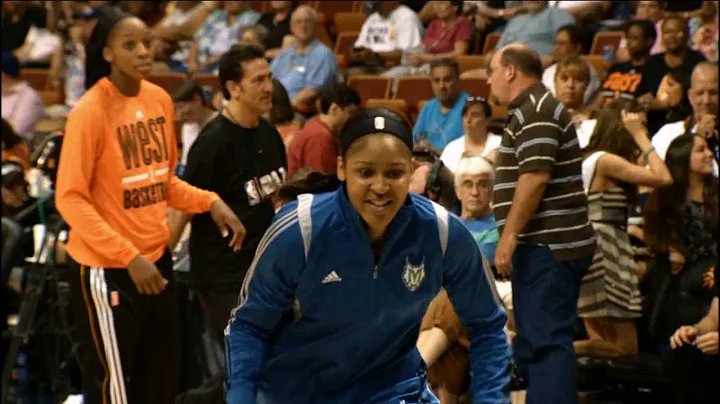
x=127 y=344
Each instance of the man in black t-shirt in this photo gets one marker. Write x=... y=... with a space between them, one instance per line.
x=240 y=156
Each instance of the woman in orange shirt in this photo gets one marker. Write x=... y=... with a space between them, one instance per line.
x=115 y=182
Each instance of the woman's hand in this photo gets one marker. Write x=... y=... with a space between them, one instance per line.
x=708 y=343
x=684 y=335
x=145 y=275
x=634 y=123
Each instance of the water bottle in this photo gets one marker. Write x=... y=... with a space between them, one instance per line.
x=608 y=54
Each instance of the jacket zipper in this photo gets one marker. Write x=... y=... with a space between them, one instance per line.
x=375 y=272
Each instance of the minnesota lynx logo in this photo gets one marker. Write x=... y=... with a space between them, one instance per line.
x=413 y=275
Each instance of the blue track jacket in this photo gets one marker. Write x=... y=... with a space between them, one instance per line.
x=318 y=322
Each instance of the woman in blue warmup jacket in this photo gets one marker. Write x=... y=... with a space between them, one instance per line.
x=331 y=307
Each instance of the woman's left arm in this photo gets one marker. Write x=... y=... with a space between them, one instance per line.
x=471 y=288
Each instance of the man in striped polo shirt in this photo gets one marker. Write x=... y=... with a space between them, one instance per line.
x=546 y=241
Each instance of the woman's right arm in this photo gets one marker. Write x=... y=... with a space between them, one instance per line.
x=267 y=294
x=618 y=168
x=73 y=197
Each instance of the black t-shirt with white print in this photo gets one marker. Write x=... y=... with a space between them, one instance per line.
x=244 y=167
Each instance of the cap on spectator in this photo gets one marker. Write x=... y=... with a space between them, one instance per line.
x=10 y=64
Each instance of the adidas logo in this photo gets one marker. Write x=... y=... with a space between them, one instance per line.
x=332 y=277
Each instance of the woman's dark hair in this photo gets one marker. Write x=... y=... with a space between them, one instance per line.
x=282 y=111
x=96 y=67
x=665 y=209
x=10 y=138
x=340 y=94
x=187 y=91
x=611 y=136
x=575 y=33
x=307 y=181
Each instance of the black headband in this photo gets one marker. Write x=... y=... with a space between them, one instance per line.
x=375 y=120
x=95 y=65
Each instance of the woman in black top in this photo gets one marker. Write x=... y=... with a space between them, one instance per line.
x=277 y=22
x=681 y=227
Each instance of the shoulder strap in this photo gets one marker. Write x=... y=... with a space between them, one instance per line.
x=443 y=225
x=589 y=167
x=305 y=220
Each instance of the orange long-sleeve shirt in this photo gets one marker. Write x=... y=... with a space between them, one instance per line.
x=116 y=176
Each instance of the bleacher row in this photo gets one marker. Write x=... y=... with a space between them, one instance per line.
x=342 y=21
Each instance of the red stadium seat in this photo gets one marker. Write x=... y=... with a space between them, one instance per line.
x=368 y=86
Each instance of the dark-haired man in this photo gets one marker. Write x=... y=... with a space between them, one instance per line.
x=546 y=242
x=241 y=157
x=316 y=145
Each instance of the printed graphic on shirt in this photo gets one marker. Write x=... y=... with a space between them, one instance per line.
x=380 y=36
x=260 y=189
x=413 y=275
x=144 y=145
x=621 y=85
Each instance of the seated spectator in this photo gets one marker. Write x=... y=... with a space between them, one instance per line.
x=704 y=31
x=316 y=145
x=610 y=298
x=653 y=11
x=448 y=35
x=568 y=42
x=386 y=34
x=635 y=78
x=703 y=97
x=679 y=60
x=681 y=228
x=587 y=14
x=535 y=28
x=440 y=121
x=193 y=112
x=704 y=334
x=254 y=35
x=13 y=146
x=308 y=66
x=286 y=121
x=492 y=16
x=22 y=106
x=219 y=32
x=571 y=80
x=477 y=141
x=277 y=23
x=173 y=35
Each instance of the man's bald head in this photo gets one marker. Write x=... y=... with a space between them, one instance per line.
x=525 y=59
x=304 y=11
x=704 y=70
x=703 y=92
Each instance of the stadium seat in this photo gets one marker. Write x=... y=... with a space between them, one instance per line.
x=470 y=62
x=349 y=22
x=321 y=31
x=207 y=81
x=399 y=106
x=168 y=81
x=369 y=86
x=344 y=46
x=476 y=86
x=602 y=39
x=330 y=8
x=491 y=40
x=37 y=78
x=413 y=89
x=600 y=65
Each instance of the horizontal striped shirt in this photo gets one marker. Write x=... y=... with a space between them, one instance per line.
x=540 y=137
